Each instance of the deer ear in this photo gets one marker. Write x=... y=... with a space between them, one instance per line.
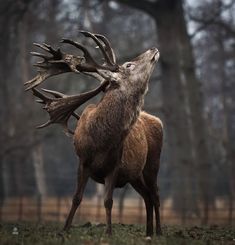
x=108 y=75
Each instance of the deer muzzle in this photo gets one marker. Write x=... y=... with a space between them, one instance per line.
x=155 y=54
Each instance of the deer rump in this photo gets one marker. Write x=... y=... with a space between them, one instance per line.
x=140 y=152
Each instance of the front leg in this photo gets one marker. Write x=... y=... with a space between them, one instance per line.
x=82 y=179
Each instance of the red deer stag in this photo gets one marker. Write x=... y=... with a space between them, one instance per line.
x=115 y=141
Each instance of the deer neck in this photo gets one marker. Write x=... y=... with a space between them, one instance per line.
x=119 y=110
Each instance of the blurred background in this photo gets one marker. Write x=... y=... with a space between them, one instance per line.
x=192 y=90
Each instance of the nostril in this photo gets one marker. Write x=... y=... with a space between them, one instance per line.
x=153 y=49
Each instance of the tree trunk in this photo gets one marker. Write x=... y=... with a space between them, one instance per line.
x=37 y=153
x=38 y=164
x=200 y=132
x=176 y=105
x=4 y=98
x=227 y=126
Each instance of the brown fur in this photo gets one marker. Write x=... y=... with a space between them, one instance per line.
x=117 y=143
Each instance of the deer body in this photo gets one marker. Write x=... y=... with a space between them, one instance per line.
x=115 y=141
x=101 y=131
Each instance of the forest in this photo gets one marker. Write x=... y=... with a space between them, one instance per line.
x=192 y=90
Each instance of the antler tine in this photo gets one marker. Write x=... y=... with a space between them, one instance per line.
x=44 y=124
x=108 y=47
x=40 y=55
x=46 y=47
x=56 y=94
x=42 y=46
x=100 y=45
x=40 y=101
x=35 y=81
x=40 y=95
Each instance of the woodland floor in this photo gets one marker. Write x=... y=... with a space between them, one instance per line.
x=89 y=234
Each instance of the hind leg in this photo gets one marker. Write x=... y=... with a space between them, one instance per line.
x=156 y=203
x=151 y=183
x=140 y=187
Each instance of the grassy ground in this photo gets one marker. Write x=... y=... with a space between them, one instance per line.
x=88 y=234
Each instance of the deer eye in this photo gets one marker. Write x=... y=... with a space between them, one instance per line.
x=130 y=66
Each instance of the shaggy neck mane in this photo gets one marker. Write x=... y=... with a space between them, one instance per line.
x=116 y=113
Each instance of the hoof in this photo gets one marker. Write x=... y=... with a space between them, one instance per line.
x=63 y=232
x=148 y=238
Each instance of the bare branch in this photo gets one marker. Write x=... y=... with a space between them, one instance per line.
x=215 y=19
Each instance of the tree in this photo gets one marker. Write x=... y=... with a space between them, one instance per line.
x=11 y=13
x=215 y=22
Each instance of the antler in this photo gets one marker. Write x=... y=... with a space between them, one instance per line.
x=62 y=107
x=91 y=65
x=106 y=50
x=53 y=65
x=59 y=62
x=107 y=47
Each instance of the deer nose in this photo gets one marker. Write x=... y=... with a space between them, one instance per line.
x=154 y=49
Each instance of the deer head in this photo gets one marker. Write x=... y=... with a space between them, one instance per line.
x=133 y=74
x=130 y=76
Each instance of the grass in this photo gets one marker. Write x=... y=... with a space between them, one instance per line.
x=90 y=234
